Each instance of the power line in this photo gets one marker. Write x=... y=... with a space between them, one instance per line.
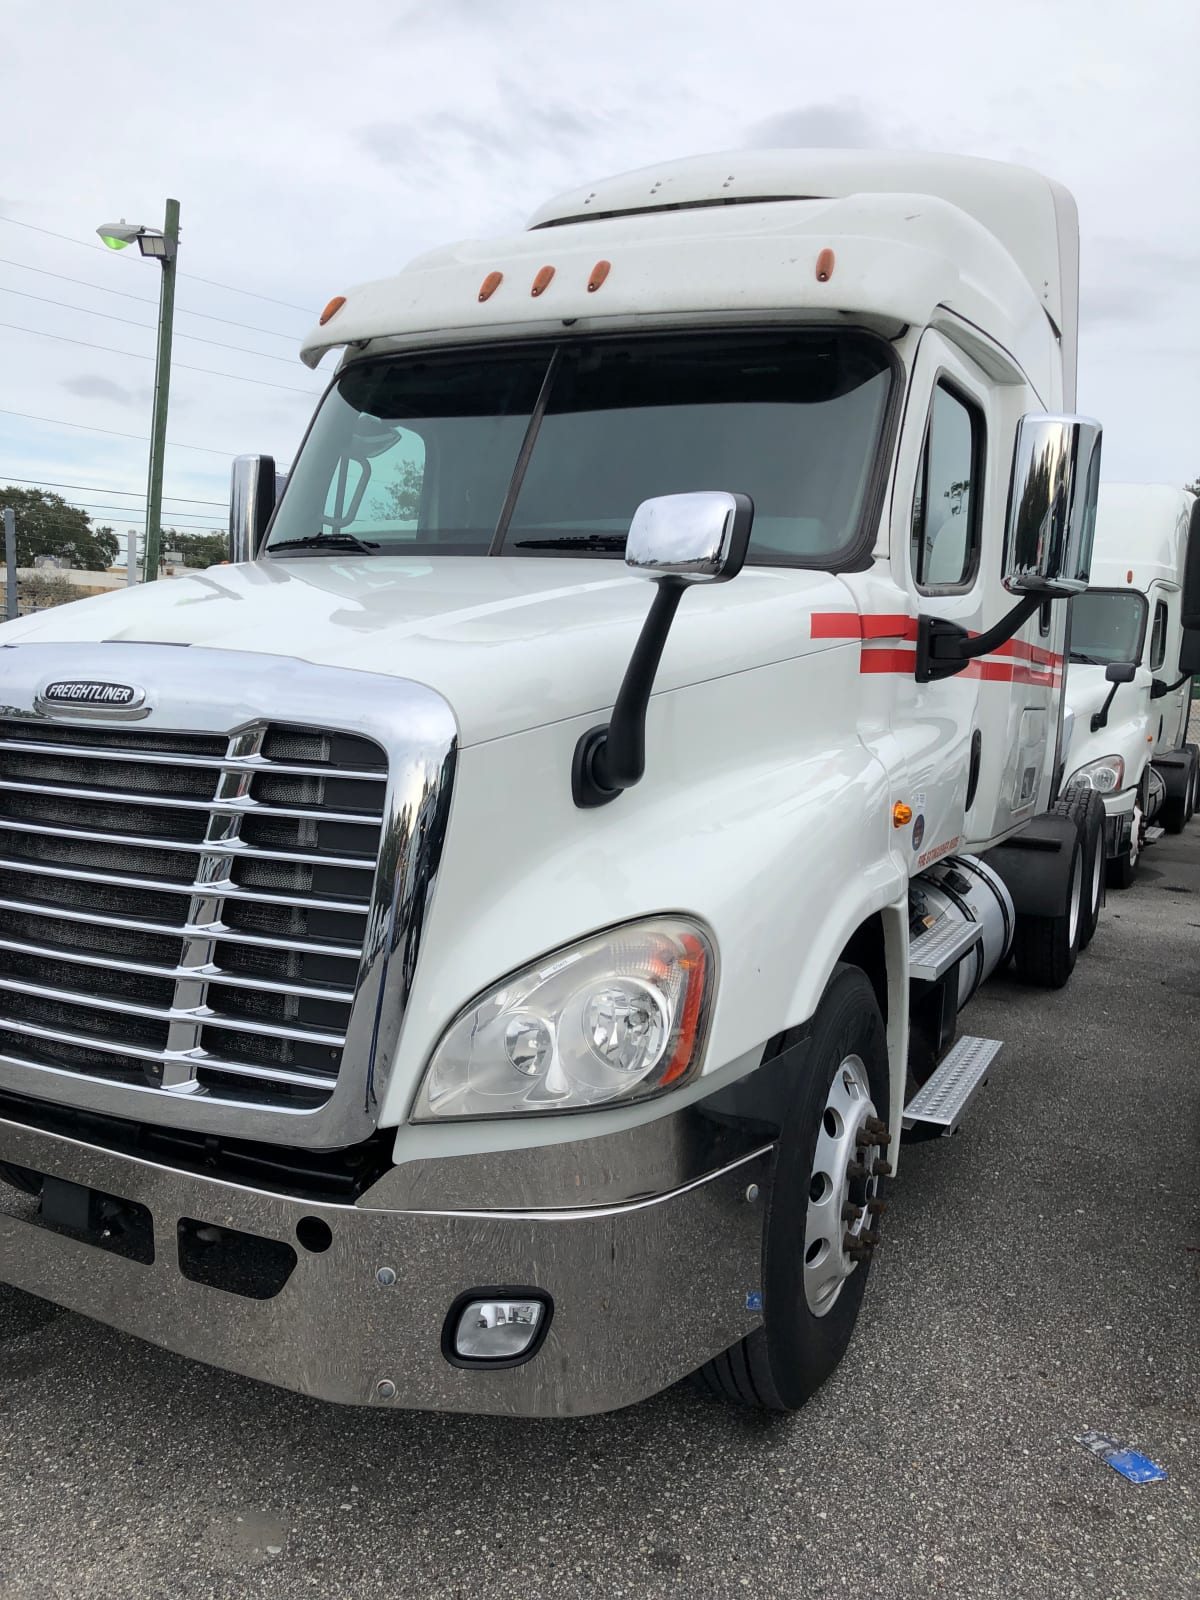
x=145 y=299
x=149 y=326
x=135 y=355
x=142 y=438
x=101 y=488
x=137 y=512
x=212 y=284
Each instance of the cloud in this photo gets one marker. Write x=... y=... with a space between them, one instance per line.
x=830 y=125
x=1127 y=284
x=89 y=386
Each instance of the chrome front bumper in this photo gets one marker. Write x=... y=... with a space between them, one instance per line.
x=643 y=1291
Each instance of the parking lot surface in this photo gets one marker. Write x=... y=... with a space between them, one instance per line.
x=1039 y=1277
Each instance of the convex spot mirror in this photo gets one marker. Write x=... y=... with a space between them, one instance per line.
x=700 y=537
x=1052 y=497
x=1120 y=672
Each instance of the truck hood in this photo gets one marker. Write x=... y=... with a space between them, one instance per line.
x=511 y=643
x=1128 y=726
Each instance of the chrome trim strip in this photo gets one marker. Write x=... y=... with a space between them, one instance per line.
x=199 y=1059
x=147 y=969
x=243 y=805
x=222 y=888
x=597 y=1213
x=175 y=930
x=201 y=1013
x=237 y=848
x=260 y=766
x=235 y=695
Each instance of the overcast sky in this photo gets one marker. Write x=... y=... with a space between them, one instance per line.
x=315 y=145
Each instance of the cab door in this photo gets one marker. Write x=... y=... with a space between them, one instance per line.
x=943 y=503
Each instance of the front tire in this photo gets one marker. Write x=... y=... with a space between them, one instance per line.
x=1087 y=809
x=1046 y=948
x=822 y=1220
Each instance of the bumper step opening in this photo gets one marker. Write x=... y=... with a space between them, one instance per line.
x=245 y=1264
x=122 y=1227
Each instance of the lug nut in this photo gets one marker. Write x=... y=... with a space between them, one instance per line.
x=851 y=1213
x=877 y=1207
x=856 y=1170
x=882 y=1169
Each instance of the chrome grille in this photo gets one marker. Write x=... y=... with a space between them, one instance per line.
x=185 y=911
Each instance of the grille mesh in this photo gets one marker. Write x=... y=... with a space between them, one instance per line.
x=98 y=888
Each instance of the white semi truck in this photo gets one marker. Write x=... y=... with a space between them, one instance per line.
x=479 y=950
x=1128 y=693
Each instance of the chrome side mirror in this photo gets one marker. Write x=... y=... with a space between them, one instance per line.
x=252 y=491
x=699 y=538
x=1052 y=495
x=678 y=540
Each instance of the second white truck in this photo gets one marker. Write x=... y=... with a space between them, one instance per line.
x=1128 y=690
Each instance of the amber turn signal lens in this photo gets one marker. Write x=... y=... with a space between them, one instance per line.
x=542 y=281
x=599 y=272
x=332 y=309
x=901 y=815
x=490 y=284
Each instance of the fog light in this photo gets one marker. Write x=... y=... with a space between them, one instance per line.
x=497 y=1329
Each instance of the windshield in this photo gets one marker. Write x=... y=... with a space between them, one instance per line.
x=540 y=449
x=1107 y=625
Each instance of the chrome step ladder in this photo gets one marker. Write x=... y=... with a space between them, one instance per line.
x=943 y=1098
x=1154 y=833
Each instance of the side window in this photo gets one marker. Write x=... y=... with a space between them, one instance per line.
x=1158 y=639
x=944 y=549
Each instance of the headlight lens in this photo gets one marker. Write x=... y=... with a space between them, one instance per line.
x=1105 y=776
x=616 y=1018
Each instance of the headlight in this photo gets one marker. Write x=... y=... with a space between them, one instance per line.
x=618 y=1017
x=1105 y=776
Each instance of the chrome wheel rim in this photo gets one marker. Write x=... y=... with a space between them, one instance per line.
x=1097 y=873
x=1076 y=897
x=841 y=1183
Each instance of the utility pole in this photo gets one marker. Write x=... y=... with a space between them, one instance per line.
x=10 y=564
x=162 y=386
x=131 y=558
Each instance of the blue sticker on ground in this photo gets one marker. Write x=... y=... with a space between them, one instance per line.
x=754 y=1300
x=1130 y=1464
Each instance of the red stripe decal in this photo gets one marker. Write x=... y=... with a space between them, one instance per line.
x=889 y=661
x=836 y=625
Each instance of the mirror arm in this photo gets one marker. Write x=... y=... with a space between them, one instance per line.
x=1100 y=718
x=1158 y=688
x=612 y=757
x=944 y=648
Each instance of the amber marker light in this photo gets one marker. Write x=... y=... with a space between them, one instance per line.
x=825 y=265
x=490 y=284
x=901 y=815
x=332 y=309
x=542 y=282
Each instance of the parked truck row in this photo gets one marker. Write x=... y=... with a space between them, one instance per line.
x=481 y=949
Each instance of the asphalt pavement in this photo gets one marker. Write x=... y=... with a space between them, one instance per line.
x=1039 y=1277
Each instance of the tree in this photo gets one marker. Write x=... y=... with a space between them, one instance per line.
x=198 y=549
x=47 y=525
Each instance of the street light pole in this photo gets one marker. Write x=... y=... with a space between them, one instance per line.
x=162 y=387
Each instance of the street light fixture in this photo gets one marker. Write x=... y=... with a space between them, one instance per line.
x=161 y=245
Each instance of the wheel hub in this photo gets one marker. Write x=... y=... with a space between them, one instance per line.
x=844 y=1208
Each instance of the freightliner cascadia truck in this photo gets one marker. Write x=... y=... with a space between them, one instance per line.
x=1128 y=694
x=479 y=950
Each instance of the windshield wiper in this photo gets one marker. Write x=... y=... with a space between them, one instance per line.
x=587 y=541
x=328 y=541
x=1091 y=661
